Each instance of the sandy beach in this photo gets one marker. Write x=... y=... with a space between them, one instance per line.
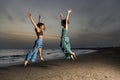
x=101 y=65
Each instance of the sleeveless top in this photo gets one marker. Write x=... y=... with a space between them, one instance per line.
x=39 y=33
x=64 y=33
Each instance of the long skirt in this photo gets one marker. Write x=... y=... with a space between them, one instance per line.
x=32 y=54
x=65 y=44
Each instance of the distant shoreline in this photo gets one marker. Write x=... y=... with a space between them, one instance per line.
x=93 y=48
x=99 y=48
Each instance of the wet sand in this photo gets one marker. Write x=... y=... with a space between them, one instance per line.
x=101 y=65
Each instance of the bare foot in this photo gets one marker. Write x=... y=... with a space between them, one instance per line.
x=72 y=57
x=25 y=63
x=73 y=54
x=41 y=58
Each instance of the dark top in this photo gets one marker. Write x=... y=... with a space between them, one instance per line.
x=39 y=33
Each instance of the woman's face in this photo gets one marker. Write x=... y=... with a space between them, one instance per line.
x=43 y=27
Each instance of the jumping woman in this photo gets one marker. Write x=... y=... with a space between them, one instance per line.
x=37 y=48
x=64 y=42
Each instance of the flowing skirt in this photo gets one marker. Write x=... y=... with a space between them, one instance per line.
x=32 y=54
x=65 y=44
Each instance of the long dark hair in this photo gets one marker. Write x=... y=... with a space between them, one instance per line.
x=40 y=24
x=63 y=22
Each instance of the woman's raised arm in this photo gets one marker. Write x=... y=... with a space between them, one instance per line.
x=31 y=19
x=61 y=16
x=67 y=18
x=68 y=14
x=39 y=19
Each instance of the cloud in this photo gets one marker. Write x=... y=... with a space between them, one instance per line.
x=92 y=22
x=11 y=12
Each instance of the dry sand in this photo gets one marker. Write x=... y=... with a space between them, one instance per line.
x=101 y=65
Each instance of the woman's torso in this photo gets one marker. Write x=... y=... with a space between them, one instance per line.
x=64 y=33
x=39 y=34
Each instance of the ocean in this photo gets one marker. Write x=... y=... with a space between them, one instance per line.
x=10 y=57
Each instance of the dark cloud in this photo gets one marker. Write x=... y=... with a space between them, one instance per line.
x=11 y=11
x=99 y=16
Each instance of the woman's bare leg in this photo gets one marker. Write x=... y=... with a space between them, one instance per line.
x=25 y=63
x=40 y=54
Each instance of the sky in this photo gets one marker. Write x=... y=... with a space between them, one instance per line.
x=93 y=23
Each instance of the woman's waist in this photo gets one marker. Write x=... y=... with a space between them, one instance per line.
x=64 y=36
x=39 y=39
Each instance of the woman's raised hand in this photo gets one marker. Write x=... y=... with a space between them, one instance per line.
x=29 y=14
x=69 y=11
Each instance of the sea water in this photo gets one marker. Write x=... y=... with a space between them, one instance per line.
x=10 y=57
